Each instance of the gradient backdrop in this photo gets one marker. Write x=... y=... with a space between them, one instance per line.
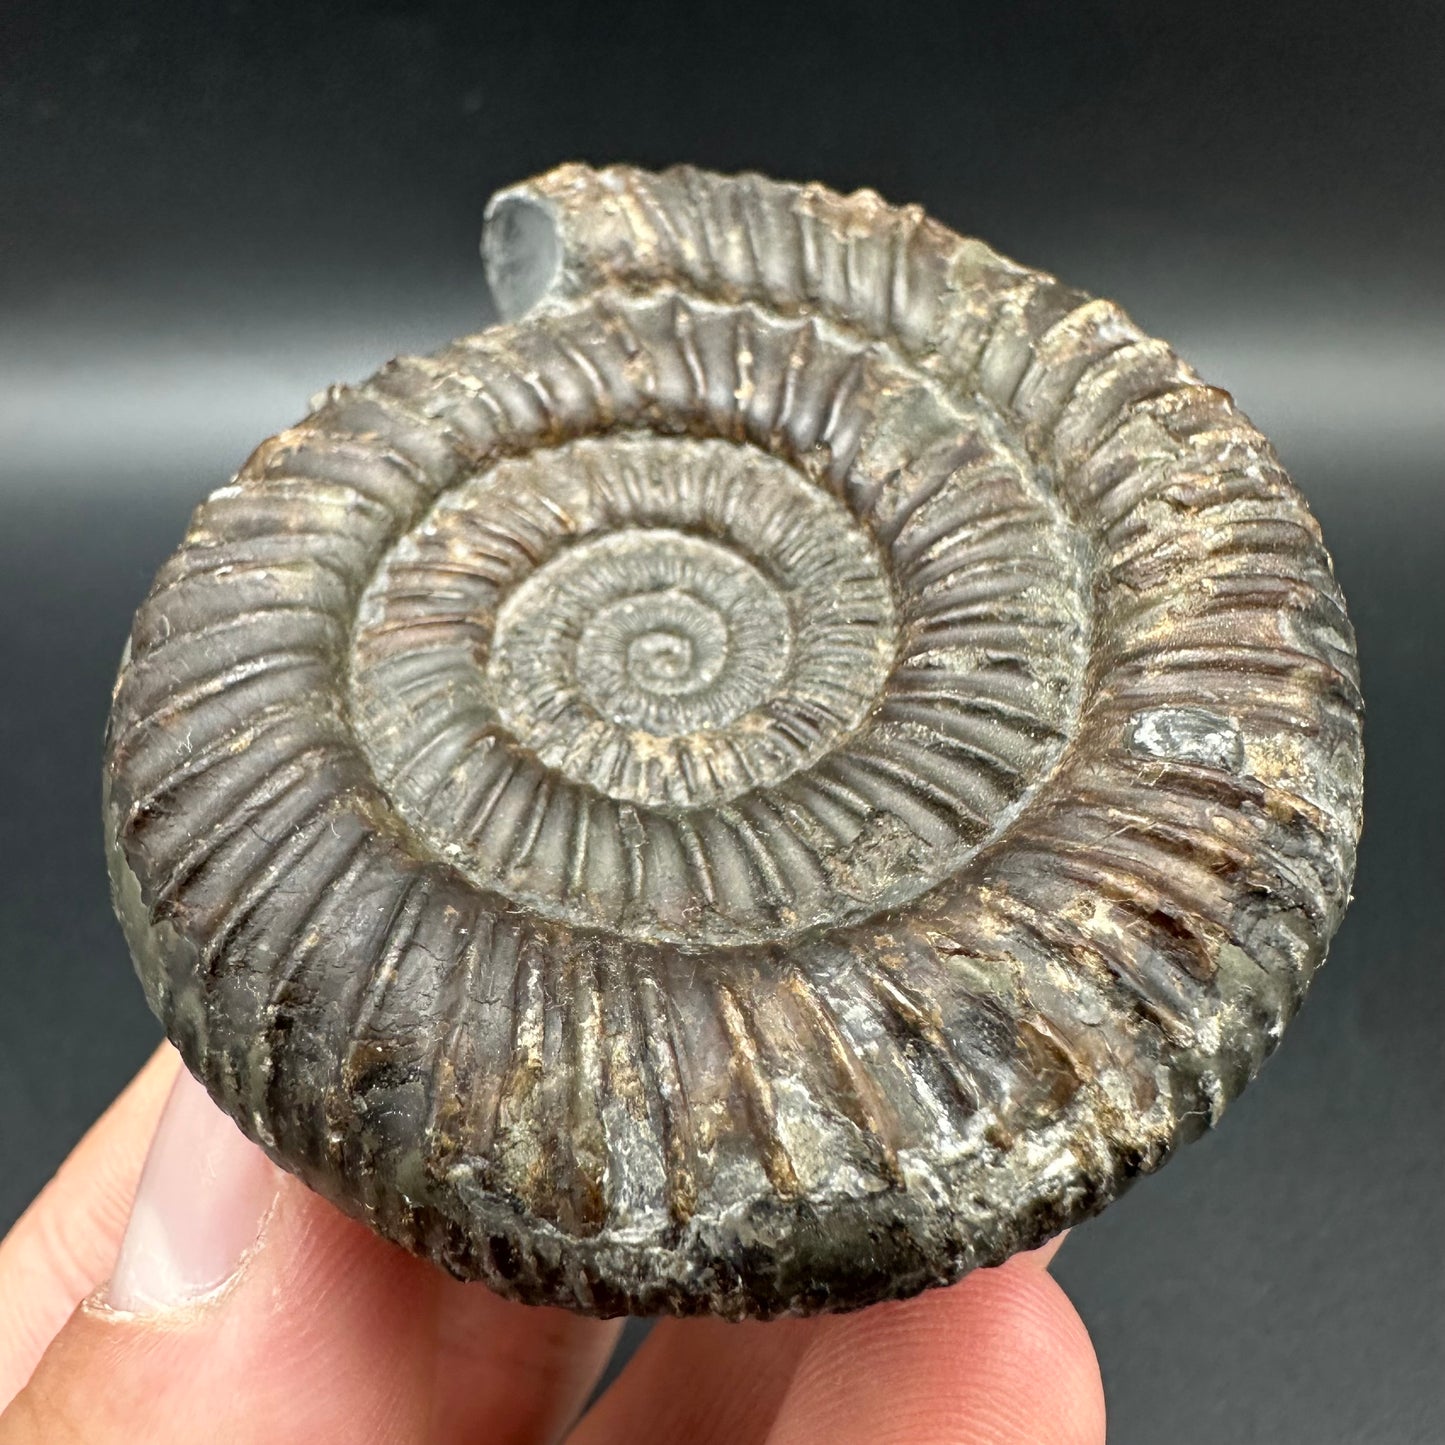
x=209 y=211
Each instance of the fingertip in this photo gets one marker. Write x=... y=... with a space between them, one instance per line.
x=1043 y=1377
x=1002 y=1357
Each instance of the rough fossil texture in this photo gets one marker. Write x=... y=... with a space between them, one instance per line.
x=799 y=765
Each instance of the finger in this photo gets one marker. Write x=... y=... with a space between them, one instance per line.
x=707 y=1380
x=700 y=1381
x=236 y=1311
x=510 y=1373
x=244 y=1308
x=998 y=1359
x=65 y=1244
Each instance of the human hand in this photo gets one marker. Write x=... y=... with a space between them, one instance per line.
x=222 y=1301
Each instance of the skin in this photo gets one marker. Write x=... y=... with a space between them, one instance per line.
x=328 y=1333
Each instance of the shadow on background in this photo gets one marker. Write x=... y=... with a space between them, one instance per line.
x=207 y=217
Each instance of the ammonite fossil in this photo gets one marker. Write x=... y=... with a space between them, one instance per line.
x=800 y=764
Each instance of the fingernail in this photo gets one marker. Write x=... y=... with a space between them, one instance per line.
x=1043 y=1256
x=204 y=1194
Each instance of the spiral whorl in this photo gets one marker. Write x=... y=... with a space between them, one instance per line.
x=792 y=768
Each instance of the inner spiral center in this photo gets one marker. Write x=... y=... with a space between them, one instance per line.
x=661 y=660
x=668 y=644
x=648 y=629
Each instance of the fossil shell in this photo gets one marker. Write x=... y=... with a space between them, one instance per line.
x=797 y=766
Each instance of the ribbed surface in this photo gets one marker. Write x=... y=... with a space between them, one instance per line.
x=794 y=769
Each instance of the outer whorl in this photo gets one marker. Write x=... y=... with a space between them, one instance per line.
x=797 y=766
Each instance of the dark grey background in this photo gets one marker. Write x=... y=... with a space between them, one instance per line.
x=207 y=212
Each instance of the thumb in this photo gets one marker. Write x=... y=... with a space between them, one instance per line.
x=240 y=1309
